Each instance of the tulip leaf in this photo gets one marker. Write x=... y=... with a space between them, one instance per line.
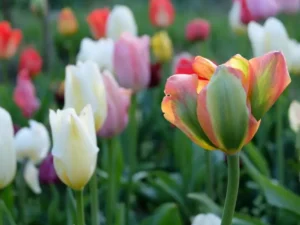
x=166 y=214
x=9 y=217
x=275 y=194
x=120 y=215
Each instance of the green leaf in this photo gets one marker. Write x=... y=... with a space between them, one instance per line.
x=120 y=214
x=275 y=194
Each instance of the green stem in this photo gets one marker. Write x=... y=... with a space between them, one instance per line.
x=232 y=188
x=79 y=207
x=298 y=148
x=279 y=143
x=22 y=195
x=1 y=214
x=112 y=182
x=94 y=199
x=4 y=66
x=7 y=212
x=132 y=132
x=209 y=173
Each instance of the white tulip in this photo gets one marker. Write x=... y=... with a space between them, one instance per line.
x=235 y=18
x=32 y=143
x=100 y=51
x=294 y=116
x=120 y=20
x=74 y=146
x=206 y=219
x=84 y=85
x=8 y=162
x=294 y=56
x=31 y=177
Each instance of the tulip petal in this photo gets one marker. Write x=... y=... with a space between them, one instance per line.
x=270 y=78
x=180 y=107
x=203 y=67
x=31 y=177
x=294 y=116
x=222 y=110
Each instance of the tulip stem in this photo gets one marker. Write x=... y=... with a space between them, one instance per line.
x=22 y=195
x=94 y=199
x=79 y=207
x=4 y=70
x=209 y=173
x=132 y=134
x=1 y=214
x=279 y=143
x=232 y=188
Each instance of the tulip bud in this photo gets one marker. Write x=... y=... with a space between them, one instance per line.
x=31 y=60
x=118 y=100
x=183 y=64
x=47 y=173
x=31 y=177
x=162 y=47
x=131 y=61
x=67 y=22
x=10 y=40
x=155 y=77
x=97 y=21
x=294 y=116
x=32 y=142
x=100 y=51
x=8 y=162
x=24 y=94
x=197 y=30
x=74 y=146
x=161 y=13
x=206 y=219
x=120 y=20
x=84 y=85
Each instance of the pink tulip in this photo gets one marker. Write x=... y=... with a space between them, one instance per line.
x=118 y=100
x=197 y=30
x=289 y=6
x=131 y=61
x=24 y=94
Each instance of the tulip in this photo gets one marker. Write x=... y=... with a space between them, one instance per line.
x=289 y=6
x=197 y=30
x=67 y=23
x=31 y=177
x=10 y=40
x=183 y=64
x=235 y=21
x=47 y=174
x=162 y=46
x=220 y=107
x=131 y=61
x=259 y=9
x=206 y=219
x=294 y=116
x=101 y=52
x=74 y=146
x=120 y=20
x=24 y=94
x=84 y=85
x=8 y=162
x=155 y=74
x=33 y=142
x=294 y=53
x=118 y=100
x=161 y=13
x=97 y=21
x=31 y=60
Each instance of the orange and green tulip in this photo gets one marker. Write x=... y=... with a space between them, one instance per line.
x=220 y=107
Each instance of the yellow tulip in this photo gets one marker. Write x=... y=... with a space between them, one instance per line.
x=162 y=46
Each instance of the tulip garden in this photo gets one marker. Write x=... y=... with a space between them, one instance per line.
x=153 y=112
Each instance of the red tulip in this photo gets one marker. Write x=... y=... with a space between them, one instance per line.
x=9 y=40
x=67 y=23
x=161 y=13
x=24 y=94
x=31 y=60
x=97 y=21
x=155 y=71
x=197 y=30
x=183 y=64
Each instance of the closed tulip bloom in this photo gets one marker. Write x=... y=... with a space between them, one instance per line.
x=84 y=85
x=162 y=46
x=220 y=107
x=8 y=162
x=118 y=100
x=206 y=219
x=156 y=74
x=67 y=23
x=161 y=13
x=10 y=40
x=294 y=116
x=294 y=57
x=25 y=96
x=289 y=6
x=183 y=64
x=31 y=177
x=234 y=17
x=97 y=21
x=47 y=173
x=33 y=142
x=260 y=9
x=100 y=51
x=131 y=61
x=197 y=30
x=31 y=60
x=74 y=146
x=120 y=20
